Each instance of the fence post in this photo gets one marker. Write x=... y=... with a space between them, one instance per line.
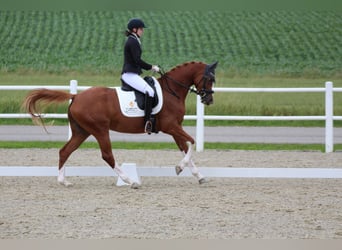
x=199 y=125
x=73 y=90
x=329 y=107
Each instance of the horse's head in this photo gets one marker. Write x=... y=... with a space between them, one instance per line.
x=193 y=73
x=204 y=86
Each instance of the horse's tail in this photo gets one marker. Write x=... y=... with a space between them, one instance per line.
x=46 y=96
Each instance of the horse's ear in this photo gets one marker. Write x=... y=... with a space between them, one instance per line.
x=213 y=65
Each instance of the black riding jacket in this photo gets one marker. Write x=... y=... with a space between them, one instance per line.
x=132 y=57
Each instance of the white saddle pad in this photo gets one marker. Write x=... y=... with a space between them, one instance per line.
x=129 y=106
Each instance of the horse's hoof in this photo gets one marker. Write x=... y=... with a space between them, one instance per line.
x=65 y=183
x=178 y=170
x=135 y=185
x=202 y=180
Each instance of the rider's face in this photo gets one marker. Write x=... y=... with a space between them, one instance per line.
x=140 y=31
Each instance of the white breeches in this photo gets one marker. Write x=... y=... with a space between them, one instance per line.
x=138 y=83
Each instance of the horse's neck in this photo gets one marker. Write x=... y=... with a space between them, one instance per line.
x=179 y=80
x=177 y=86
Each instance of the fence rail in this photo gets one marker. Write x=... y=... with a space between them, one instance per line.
x=200 y=116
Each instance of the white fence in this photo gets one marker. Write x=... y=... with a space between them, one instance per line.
x=328 y=117
x=200 y=116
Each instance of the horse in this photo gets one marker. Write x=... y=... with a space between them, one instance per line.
x=96 y=111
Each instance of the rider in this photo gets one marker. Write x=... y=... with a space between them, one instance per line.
x=133 y=65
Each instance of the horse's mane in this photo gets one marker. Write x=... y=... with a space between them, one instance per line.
x=183 y=65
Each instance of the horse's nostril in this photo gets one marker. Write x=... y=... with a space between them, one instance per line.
x=207 y=100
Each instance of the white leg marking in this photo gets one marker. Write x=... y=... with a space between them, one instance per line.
x=61 y=175
x=61 y=178
x=187 y=160
x=195 y=171
x=124 y=177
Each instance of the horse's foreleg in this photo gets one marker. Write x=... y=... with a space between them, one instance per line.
x=187 y=160
x=185 y=143
x=195 y=172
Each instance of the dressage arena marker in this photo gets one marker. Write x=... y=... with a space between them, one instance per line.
x=170 y=172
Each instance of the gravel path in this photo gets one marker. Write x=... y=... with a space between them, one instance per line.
x=171 y=207
x=211 y=134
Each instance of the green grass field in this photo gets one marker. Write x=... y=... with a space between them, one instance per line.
x=286 y=43
x=254 y=49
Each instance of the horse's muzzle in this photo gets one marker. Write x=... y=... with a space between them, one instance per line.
x=207 y=98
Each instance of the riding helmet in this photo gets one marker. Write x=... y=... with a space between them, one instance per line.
x=135 y=23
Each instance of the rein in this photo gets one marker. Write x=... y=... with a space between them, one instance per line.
x=191 y=89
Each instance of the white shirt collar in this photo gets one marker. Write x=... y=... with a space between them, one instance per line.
x=136 y=37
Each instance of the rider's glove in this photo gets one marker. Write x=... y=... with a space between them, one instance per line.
x=155 y=68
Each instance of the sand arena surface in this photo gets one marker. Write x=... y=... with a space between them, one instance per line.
x=171 y=207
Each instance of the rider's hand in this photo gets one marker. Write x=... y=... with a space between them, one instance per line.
x=155 y=68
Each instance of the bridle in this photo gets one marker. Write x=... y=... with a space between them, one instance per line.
x=208 y=76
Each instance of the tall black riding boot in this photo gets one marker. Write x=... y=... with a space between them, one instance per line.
x=148 y=111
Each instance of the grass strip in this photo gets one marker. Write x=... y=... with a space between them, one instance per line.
x=172 y=146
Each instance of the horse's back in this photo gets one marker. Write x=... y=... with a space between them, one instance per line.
x=95 y=100
x=96 y=94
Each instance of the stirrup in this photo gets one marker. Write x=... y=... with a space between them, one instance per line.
x=148 y=127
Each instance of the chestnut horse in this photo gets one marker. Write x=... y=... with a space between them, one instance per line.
x=96 y=110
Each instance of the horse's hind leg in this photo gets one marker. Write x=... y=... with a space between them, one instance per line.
x=107 y=155
x=75 y=141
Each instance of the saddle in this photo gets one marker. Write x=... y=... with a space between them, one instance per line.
x=132 y=102
x=139 y=96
